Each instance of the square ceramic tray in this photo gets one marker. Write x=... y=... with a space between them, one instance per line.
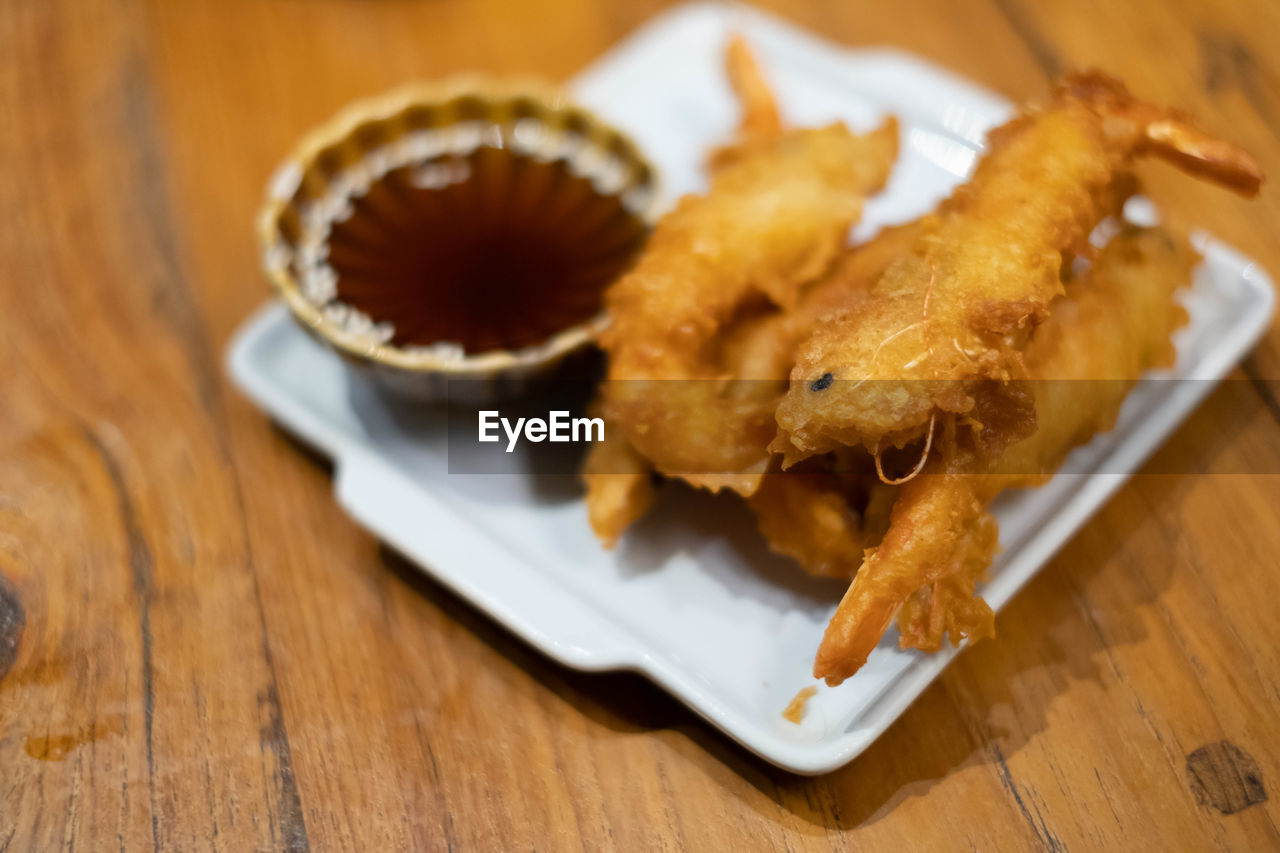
x=691 y=598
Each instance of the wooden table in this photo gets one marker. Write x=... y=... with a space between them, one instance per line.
x=199 y=650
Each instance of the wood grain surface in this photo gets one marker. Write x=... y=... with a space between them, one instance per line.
x=198 y=650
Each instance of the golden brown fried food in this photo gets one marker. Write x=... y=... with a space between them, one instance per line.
x=951 y=336
x=940 y=538
x=716 y=419
x=760 y=119
x=810 y=518
x=822 y=519
x=619 y=485
x=960 y=306
x=759 y=353
x=1115 y=323
x=717 y=268
x=795 y=710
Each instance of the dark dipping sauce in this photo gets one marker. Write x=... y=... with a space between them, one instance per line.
x=493 y=250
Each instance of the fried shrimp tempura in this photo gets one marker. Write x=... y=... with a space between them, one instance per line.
x=811 y=518
x=760 y=119
x=751 y=351
x=960 y=306
x=776 y=215
x=730 y=283
x=619 y=485
x=1114 y=324
x=824 y=520
x=797 y=519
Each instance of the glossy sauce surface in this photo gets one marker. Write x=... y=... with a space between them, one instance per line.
x=494 y=250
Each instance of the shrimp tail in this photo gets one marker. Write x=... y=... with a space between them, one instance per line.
x=1141 y=128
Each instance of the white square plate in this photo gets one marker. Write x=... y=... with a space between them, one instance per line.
x=691 y=598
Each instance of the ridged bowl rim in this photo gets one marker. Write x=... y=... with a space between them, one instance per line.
x=287 y=178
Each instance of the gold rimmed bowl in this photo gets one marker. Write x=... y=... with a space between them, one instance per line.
x=458 y=232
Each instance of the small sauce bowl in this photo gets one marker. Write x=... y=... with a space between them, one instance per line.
x=459 y=231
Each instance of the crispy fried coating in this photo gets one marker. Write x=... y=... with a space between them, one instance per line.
x=1114 y=324
x=945 y=605
x=810 y=518
x=691 y=316
x=619 y=485
x=729 y=283
x=822 y=519
x=760 y=119
x=940 y=540
x=960 y=306
x=1117 y=325
x=759 y=352
x=747 y=329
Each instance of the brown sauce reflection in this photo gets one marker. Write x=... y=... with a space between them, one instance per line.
x=494 y=250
